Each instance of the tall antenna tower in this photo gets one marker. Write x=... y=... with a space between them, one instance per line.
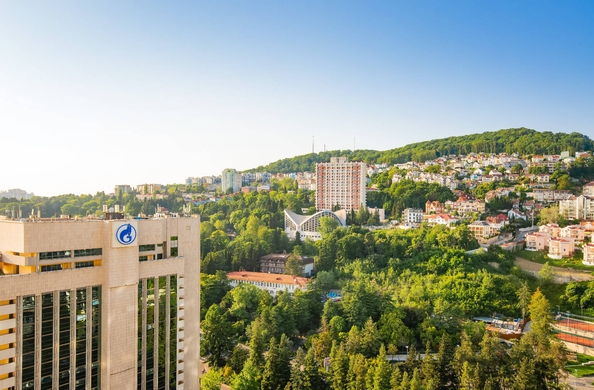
x=312 y=144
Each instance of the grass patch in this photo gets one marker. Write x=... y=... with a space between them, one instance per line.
x=576 y=369
x=574 y=262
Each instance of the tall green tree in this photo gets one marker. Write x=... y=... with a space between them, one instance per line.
x=217 y=336
x=277 y=370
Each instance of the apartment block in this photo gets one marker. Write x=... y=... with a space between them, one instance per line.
x=231 y=179
x=340 y=183
x=561 y=247
x=411 y=215
x=537 y=241
x=100 y=304
x=577 y=207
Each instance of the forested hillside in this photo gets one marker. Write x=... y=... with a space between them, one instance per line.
x=521 y=140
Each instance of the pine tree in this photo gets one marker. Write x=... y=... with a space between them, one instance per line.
x=277 y=370
x=312 y=378
x=540 y=313
x=415 y=382
x=247 y=379
x=445 y=356
x=257 y=344
x=339 y=367
x=428 y=374
x=523 y=295
x=405 y=383
x=411 y=360
x=297 y=370
x=395 y=379
x=466 y=377
x=357 y=372
x=464 y=353
x=381 y=376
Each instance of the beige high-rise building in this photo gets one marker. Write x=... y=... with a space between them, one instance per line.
x=100 y=304
x=341 y=183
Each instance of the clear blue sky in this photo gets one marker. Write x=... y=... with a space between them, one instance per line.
x=97 y=93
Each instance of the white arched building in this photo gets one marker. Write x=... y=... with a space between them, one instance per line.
x=308 y=225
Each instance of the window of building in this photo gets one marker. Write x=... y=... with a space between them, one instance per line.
x=173 y=250
x=54 y=255
x=142 y=258
x=84 y=264
x=53 y=267
x=145 y=248
x=88 y=252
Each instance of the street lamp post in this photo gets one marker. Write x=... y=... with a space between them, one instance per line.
x=568 y=319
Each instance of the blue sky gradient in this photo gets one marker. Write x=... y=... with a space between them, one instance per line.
x=94 y=94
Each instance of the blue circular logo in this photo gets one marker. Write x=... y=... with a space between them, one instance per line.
x=126 y=234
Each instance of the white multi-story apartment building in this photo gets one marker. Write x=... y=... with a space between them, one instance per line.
x=340 y=183
x=577 y=207
x=230 y=179
x=16 y=193
x=100 y=304
x=411 y=215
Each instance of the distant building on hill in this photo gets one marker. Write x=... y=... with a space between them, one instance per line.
x=340 y=183
x=230 y=179
x=123 y=188
x=411 y=215
x=16 y=193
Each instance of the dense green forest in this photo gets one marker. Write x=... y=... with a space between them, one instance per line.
x=522 y=141
x=402 y=291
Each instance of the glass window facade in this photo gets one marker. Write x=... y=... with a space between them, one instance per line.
x=157 y=333
x=60 y=340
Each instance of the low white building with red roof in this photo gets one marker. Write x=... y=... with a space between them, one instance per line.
x=273 y=283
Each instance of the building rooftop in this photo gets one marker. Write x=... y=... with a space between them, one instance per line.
x=269 y=278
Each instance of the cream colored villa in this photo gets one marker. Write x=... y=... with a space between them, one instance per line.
x=100 y=304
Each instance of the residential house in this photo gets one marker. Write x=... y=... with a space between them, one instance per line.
x=552 y=229
x=275 y=263
x=434 y=207
x=483 y=230
x=575 y=232
x=441 y=219
x=561 y=247
x=516 y=214
x=537 y=241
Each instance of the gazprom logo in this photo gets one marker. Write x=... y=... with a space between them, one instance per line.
x=126 y=234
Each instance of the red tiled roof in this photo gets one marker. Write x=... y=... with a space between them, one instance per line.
x=265 y=277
